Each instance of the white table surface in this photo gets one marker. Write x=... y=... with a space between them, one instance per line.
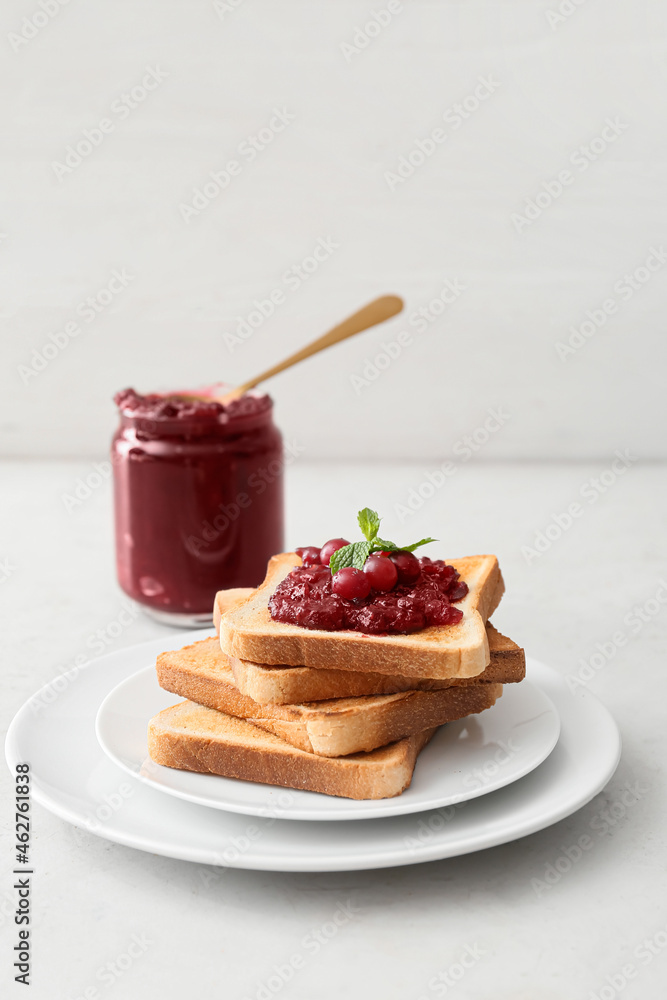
x=219 y=933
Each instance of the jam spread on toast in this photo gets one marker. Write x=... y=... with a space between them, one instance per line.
x=423 y=594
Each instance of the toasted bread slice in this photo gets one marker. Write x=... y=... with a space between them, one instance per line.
x=194 y=738
x=248 y=632
x=225 y=600
x=202 y=673
x=288 y=685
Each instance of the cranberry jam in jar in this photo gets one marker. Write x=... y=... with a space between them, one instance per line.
x=198 y=491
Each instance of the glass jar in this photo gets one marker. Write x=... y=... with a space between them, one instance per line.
x=198 y=492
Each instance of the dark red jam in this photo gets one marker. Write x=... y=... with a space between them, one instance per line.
x=305 y=597
x=154 y=406
x=198 y=498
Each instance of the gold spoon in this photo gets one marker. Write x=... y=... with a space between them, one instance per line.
x=375 y=312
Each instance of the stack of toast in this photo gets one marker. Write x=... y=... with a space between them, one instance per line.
x=342 y=713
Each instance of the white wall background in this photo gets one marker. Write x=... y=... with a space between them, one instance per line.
x=324 y=177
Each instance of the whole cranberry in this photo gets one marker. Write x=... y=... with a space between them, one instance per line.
x=407 y=567
x=310 y=556
x=328 y=549
x=351 y=583
x=381 y=572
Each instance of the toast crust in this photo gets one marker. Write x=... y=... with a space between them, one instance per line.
x=193 y=738
x=225 y=600
x=336 y=727
x=247 y=632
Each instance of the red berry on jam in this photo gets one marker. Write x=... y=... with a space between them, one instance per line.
x=407 y=566
x=381 y=572
x=351 y=583
x=328 y=549
x=310 y=556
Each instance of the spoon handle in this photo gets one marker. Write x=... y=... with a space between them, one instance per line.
x=375 y=312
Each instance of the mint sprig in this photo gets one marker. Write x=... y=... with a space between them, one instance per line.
x=357 y=553
x=415 y=545
x=369 y=522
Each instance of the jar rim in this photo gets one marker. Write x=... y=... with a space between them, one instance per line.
x=217 y=420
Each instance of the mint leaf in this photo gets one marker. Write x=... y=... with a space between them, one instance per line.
x=355 y=555
x=341 y=558
x=362 y=550
x=424 y=541
x=369 y=522
x=380 y=545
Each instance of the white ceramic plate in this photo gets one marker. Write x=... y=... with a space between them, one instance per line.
x=72 y=777
x=465 y=759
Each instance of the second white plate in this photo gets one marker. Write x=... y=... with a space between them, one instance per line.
x=72 y=777
x=464 y=760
